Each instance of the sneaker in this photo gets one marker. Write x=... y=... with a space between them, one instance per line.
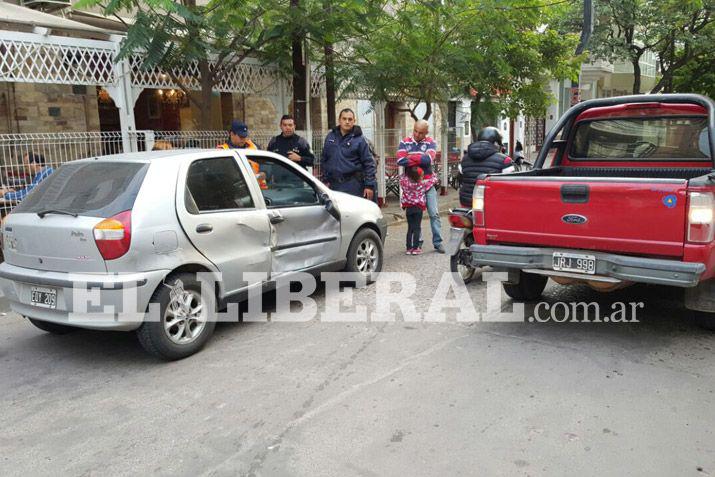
x=417 y=251
x=439 y=248
x=409 y=251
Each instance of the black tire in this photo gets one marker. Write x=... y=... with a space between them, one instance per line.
x=154 y=336
x=54 y=328
x=359 y=251
x=704 y=319
x=530 y=287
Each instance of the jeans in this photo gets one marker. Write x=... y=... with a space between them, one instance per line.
x=434 y=220
x=414 y=228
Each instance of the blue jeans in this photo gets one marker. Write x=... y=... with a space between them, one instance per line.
x=434 y=220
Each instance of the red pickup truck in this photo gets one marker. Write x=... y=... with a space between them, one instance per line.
x=622 y=192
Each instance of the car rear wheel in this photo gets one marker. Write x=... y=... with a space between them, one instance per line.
x=54 y=328
x=365 y=254
x=530 y=287
x=185 y=322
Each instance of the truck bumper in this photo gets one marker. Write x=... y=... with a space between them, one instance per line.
x=620 y=267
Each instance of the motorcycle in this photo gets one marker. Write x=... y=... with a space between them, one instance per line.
x=460 y=239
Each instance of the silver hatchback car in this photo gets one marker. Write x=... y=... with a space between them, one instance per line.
x=150 y=222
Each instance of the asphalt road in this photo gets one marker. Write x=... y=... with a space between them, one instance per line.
x=402 y=398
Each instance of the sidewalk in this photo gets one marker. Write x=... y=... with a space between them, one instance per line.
x=395 y=215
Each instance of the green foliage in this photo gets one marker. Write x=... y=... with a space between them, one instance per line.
x=679 y=32
x=431 y=52
x=217 y=35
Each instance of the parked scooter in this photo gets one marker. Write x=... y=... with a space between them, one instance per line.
x=460 y=238
x=520 y=162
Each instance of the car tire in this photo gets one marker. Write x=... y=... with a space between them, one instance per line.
x=54 y=328
x=365 y=254
x=179 y=332
x=530 y=287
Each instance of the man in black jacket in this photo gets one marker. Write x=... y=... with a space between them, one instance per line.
x=482 y=157
x=290 y=145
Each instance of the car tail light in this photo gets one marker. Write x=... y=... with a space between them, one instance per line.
x=460 y=221
x=700 y=217
x=478 y=205
x=114 y=235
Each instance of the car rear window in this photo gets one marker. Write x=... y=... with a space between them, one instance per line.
x=94 y=189
x=642 y=139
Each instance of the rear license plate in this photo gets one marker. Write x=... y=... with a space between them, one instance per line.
x=43 y=297
x=574 y=262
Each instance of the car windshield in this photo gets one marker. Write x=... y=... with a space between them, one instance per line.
x=642 y=139
x=94 y=189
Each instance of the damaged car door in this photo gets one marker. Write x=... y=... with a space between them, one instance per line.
x=224 y=219
x=306 y=234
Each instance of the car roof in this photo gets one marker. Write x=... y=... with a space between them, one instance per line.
x=152 y=156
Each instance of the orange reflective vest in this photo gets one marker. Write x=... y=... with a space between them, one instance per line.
x=254 y=165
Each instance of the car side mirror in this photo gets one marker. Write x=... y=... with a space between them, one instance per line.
x=329 y=206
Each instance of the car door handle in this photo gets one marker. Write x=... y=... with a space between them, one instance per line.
x=204 y=228
x=277 y=218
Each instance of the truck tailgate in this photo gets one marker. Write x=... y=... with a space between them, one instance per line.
x=643 y=216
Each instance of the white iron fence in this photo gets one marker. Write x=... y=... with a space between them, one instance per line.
x=59 y=148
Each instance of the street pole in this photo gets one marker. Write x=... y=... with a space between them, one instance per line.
x=586 y=32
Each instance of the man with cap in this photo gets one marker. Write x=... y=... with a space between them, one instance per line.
x=238 y=139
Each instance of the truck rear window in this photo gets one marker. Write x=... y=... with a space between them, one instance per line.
x=94 y=189
x=642 y=139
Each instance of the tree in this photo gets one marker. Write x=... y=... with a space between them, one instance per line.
x=430 y=52
x=216 y=36
x=674 y=30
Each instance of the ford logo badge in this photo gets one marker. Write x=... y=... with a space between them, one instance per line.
x=574 y=219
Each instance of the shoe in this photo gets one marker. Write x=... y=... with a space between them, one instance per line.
x=409 y=251
x=439 y=248
x=417 y=251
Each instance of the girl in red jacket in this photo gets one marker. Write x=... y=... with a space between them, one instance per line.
x=413 y=200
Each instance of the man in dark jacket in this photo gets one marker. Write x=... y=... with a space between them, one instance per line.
x=346 y=163
x=482 y=157
x=290 y=145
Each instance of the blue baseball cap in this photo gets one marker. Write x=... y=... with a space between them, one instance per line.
x=239 y=128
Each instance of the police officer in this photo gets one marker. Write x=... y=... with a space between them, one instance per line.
x=346 y=163
x=290 y=145
x=482 y=157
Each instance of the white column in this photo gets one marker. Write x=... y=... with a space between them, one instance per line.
x=379 y=135
x=444 y=144
x=121 y=92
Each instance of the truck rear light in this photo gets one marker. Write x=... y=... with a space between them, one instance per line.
x=700 y=217
x=460 y=221
x=478 y=205
x=114 y=235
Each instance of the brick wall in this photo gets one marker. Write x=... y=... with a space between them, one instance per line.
x=29 y=107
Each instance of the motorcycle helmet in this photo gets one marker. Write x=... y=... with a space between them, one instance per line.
x=490 y=134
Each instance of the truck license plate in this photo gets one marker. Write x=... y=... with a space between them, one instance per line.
x=43 y=297
x=574 y=262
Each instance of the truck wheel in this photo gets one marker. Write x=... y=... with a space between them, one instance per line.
x=530 y=287
x=54 y=328
x=186 y=319
x=365 y=254
x=704 y=319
